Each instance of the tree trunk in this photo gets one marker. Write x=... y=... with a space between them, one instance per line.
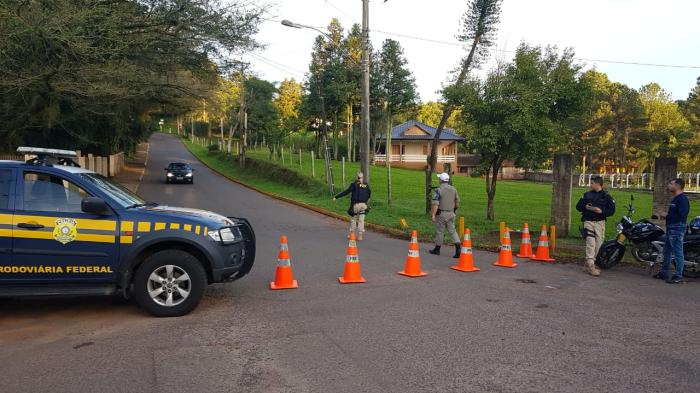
x=491 y=179
x=335 y=136
x=432 y=158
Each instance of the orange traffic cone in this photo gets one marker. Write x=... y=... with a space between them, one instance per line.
x=466 y=258
x=525 y=244
x=283 y=273
x=352 y=273
x=542 y=252
x=505 y=256
x=412 y=268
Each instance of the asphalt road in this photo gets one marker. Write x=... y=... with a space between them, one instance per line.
x=535 y=328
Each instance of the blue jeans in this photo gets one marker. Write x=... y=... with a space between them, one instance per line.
x=675 y=233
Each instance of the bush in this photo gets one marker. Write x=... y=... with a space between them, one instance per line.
x=213 y=147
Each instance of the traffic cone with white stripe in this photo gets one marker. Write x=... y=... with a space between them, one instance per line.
x=466 y=258
x=542 y=252
x=352 y=273
x=525 y=244
x=505 y=255
x=412 y=268
x=283 y=273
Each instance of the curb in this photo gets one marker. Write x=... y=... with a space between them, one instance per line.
x=374 y=227
x=395 y=233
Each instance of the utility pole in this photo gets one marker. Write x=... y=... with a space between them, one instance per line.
x=364 y=113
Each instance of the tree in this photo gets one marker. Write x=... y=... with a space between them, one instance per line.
x=479 y=26
x=666 y=128
x=88 y=74
x=516 y=113
x=394 y=82
x=395 y=87
x=262 y=113
x=431 y=112
x=689 y=160
x=288 y=103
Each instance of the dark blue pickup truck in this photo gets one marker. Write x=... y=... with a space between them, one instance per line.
x=65 y=230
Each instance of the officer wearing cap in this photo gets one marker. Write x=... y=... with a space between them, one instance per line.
x=445 y=204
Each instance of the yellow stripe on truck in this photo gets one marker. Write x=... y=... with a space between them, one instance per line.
x=144 y=227
x=5 y=219
x=127 y=226
x=50 y=222
x=81 y=237
x=174 y=225
x=188 y=227
x=160 y=226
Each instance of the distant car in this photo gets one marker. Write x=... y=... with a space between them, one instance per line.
x=179 y=172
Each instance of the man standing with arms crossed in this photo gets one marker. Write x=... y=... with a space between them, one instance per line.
x=445 y=204
x=676 y=227
x=595 y=206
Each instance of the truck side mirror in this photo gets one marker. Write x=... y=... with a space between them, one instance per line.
x=96 y=206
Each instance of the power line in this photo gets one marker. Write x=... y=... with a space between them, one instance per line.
x=278 y=66
x=453 y=43
x=512 y=51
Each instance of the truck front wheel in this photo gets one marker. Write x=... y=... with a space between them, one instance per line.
x=169 y=283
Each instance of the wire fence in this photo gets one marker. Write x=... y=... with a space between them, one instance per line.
x=639 y=181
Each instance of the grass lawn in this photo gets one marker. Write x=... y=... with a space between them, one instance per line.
x=516 y=201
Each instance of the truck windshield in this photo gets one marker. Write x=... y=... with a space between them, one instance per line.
x=122 y=195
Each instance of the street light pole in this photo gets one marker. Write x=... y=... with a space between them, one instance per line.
x=364 y=105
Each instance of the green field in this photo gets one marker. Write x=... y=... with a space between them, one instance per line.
x=516 y=201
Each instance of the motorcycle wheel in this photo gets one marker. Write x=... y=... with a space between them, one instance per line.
x=610 y=254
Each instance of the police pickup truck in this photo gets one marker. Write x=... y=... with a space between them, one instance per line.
x=65 y=230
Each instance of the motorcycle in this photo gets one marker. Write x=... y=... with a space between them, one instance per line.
x=646 y=242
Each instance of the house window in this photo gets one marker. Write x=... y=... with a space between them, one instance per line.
x=395 y=150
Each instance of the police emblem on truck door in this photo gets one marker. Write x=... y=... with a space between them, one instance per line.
x=65 y=230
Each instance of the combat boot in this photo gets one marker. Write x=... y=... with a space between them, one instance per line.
x=458 y=250
x=592 y=269
x=435 y=251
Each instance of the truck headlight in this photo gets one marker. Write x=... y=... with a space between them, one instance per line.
x=226 y=235
x=170 y=174
x=188 y=175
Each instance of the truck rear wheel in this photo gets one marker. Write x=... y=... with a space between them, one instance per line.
x=169 y=283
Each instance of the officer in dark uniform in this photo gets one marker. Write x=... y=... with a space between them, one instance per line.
x=359 y=196
x=595 y=206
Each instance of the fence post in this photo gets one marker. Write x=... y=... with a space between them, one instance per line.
x=344 y=170
x=313 y=165
x=282 y=152
x=553 y=237
x=301 y=168
x=461 y=227
x=501 y=230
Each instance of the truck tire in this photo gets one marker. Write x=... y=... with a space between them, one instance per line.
x=169 y=283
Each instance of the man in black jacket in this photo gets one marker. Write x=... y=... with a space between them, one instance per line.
x=595 y=206
x=359 y=196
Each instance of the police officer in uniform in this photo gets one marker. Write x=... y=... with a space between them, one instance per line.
x=445 y=204
x=595 y=206
x=359 y=197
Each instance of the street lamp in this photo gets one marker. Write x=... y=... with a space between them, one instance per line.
x=326 y=149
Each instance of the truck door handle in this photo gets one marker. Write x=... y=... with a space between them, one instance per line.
x=30 y=225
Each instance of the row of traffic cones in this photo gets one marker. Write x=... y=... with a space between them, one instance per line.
x=505 y=254
x=352 y=273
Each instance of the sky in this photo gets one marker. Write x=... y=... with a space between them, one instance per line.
x=637 y=31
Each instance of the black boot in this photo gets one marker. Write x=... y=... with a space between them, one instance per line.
x=435 y=251
x=458 y=250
